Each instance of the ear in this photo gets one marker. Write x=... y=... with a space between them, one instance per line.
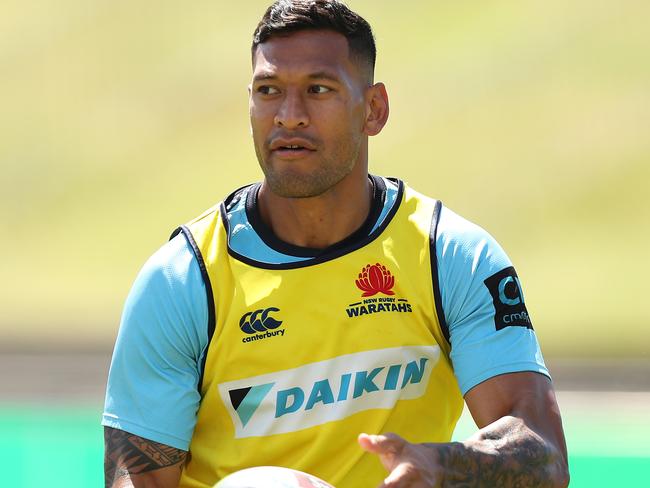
x=377 y=109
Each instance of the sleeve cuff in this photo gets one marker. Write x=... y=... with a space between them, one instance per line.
x=519 y=367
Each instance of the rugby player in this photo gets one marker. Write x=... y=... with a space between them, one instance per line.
x=326 y=319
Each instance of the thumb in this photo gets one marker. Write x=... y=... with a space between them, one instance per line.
x=386 y=444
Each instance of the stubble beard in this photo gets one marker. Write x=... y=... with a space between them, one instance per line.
x=327 y=173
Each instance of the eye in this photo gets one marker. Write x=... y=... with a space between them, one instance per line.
x=267 y=90
x=319 y=89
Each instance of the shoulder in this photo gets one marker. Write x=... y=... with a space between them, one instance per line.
x=168 y=297
x=169 y=270
x=466 y=256
x=463 y=246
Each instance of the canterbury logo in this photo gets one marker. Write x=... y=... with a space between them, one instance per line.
x=375 y=278
x=259 y=321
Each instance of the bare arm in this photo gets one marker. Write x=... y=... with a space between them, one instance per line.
x=520 y=442
x=131 y=461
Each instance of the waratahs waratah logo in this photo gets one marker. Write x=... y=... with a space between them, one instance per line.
x=375 y=278
x=260 y=324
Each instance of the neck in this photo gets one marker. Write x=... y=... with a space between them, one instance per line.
x=318 y=222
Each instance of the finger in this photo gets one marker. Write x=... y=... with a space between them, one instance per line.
x=398 y=477
x=376 y=444
x=381 y=444
x=366 y=442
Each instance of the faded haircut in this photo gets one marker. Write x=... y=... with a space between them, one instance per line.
x=285 y=17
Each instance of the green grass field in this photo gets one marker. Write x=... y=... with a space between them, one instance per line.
x=63 y=446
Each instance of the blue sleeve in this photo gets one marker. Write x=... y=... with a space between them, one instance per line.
x=152 y=384
x=489 y=328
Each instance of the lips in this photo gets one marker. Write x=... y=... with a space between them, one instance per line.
x=292 y=144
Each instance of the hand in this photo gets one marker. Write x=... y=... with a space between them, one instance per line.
x=409 y=465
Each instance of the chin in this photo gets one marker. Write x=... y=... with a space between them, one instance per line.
x=290 y=184
x=296 y=190
x=305 y=178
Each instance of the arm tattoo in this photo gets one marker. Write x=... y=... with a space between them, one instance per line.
x=126 y=454
x=508 y=455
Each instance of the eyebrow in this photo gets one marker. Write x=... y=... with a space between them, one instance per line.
x=264 y=77
x=324 y=75
x=318 y=75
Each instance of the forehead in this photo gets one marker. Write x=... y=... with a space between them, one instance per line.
x=304 y=52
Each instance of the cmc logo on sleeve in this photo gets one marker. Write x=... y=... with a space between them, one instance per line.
x=325 y=391
x=508 y=299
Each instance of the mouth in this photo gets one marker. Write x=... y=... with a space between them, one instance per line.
x=291 y=151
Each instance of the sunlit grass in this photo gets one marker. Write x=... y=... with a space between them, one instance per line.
x=120 y=121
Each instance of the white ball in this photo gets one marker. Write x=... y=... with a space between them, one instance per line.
x=271 y=477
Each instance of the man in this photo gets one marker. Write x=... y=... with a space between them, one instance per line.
x=297 y=314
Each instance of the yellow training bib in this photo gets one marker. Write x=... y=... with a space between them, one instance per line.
x=306 y=355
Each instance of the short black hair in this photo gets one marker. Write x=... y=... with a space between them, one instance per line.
x=284 y=17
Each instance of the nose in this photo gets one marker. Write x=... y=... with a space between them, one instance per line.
x=292 y=113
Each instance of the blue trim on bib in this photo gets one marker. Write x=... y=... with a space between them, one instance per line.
x=246 y=244
x=243 y=239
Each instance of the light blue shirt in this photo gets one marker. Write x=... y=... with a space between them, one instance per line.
x=152 y=386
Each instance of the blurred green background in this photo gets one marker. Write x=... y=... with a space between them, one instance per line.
x=121 y=119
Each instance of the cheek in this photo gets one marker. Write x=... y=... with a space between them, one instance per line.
x=341 y=118
x=345 y=123
x=359 y=115
x=346 y=116
x=261 y=121
x=261 y=113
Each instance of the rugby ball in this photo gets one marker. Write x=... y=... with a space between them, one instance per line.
x=271 y=477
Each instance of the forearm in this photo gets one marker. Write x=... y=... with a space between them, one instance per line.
x=504 y=454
